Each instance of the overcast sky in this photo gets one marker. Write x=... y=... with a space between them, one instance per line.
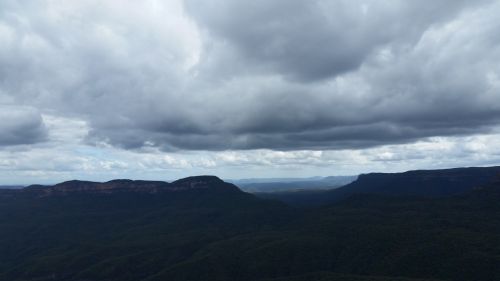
x=283 y=88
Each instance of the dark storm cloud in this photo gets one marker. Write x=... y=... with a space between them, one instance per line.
x=313 y=40
x=282 y=75
x=20 y=126
x=361 y=136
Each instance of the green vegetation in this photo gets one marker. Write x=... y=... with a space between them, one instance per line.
x=219 y=234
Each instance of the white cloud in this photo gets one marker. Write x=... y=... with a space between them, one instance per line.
x=161 y=89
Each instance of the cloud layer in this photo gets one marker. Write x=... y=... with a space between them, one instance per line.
x=285 y=75
x=230 y=76
x=21 y=125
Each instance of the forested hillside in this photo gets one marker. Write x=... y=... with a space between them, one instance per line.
x=214 y=231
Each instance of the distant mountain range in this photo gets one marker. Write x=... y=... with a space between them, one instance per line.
x=413 y=226
x=292 y=184
x=419 y=183
x=11 y=186
x=425 y=183
x=123 y=185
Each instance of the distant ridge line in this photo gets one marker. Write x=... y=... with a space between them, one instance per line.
x=126 y=185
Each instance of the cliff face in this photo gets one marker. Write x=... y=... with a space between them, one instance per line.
x=190 y=183
x=425 y=183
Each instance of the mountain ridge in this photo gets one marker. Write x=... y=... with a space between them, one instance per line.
x=416 y=183
x=427 y=183
x=205 y=235
x=127 y=185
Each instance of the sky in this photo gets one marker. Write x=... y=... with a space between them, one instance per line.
x=103 y=89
